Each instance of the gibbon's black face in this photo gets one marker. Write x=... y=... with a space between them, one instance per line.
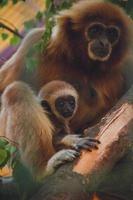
x=101 y=40
x=65 y=106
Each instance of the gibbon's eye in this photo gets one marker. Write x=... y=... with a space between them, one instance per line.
x=60 y=102
x=113 y=34
x=71 y=101
x=95 y=30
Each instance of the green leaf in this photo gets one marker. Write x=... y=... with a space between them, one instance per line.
x=48 y=3
x=29 y=24
x=3 y=2
x=51 y=9
x=14 y=1
x=4 y=36
x=4 y=156
x=11 y=149
x=3 y=143
x=38 y=46
x=15 y=40
x=31 y=64
x=65 y=4
x=39 y=15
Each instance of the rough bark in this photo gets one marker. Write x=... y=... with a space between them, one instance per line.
x=77 y=181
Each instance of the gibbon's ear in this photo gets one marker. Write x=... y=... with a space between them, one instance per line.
x=46 y=105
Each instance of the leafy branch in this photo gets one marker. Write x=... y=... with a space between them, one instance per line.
x=5 y=2
x=52 y=8
x=15 y=32
x=8 y=149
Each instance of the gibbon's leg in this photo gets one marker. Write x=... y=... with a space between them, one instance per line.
x=28 y=125
x=11 y=70
x=78 y=142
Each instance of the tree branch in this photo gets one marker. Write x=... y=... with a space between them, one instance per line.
x=15 y=32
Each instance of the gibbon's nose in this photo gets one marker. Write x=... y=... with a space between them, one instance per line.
x=103 y=42
x=100 y=48
x=67 y=111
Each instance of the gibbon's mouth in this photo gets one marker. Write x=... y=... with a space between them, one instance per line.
x=67 y=114
x=99 y=53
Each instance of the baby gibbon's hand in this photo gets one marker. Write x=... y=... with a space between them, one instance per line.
x=59 y=158
x=78 y=142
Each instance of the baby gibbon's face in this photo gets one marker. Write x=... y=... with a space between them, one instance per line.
x=65 y=106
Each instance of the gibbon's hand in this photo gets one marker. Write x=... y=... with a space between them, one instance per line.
x=78 y=142
x=61 y=157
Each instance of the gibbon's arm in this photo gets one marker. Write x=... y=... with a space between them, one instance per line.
x=12 y=69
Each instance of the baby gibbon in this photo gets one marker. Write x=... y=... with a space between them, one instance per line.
x=61 y=100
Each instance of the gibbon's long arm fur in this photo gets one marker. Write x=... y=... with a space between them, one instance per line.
x=87 y=47
x=13 y=68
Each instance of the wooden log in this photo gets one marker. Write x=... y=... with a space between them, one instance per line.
x=114 y=137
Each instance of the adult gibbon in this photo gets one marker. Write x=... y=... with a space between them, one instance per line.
x=86 y=49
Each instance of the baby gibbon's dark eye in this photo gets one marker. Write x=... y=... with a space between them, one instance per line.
x=60 y=102
x=71 y=101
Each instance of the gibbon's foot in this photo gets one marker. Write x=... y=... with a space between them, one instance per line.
x=61 y=157
x=78 y=142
